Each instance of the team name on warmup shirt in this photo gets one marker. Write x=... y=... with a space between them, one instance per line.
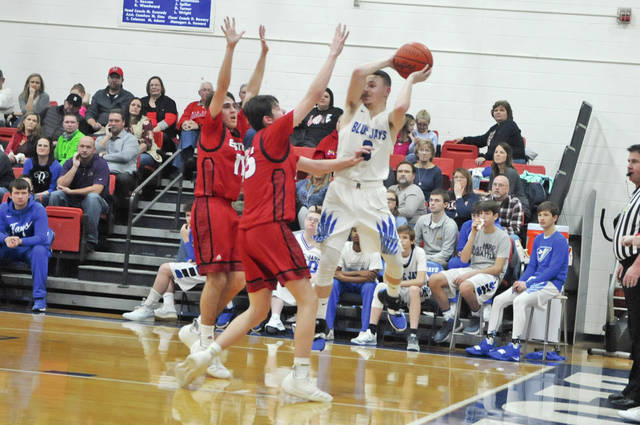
x=15 y=229
x=238 y=146
x=373 y=133
x=487 y=250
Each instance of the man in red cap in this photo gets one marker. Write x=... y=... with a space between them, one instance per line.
x=111 y=97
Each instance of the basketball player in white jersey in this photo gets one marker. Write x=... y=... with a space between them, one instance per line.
x=357 y=197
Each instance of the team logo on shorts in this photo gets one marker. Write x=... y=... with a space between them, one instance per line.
x=325 y=227
x=388 y=236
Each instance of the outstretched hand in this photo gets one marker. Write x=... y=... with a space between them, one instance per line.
x=339 y=39
x=419 y=76
x=229 y=30
x=263 y=41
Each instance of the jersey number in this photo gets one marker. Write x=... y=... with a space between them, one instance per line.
x=245 y=166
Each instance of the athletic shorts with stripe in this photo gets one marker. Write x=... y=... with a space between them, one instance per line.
x=215 y=228
x=186 y=275
x=485 y=284
x=271 y=254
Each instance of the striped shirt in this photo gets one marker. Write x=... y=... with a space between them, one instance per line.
x=628 y=224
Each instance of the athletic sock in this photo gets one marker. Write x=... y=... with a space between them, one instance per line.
x=275 y=316
x=153 y=297
x=476 y=313
x=373 y=328
x=516 y=342
x=413 y=331
x=206 y=335
x=449 y=314
x=215 y=347
x=322 y=308
x=490 y=337
x=168 y=300
x=301 y=367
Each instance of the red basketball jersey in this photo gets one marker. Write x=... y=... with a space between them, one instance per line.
x=220 y=160
x=269 y=176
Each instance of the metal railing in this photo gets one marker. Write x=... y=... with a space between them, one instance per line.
x=131 y=220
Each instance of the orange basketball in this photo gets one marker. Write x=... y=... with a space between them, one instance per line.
x=412 y=57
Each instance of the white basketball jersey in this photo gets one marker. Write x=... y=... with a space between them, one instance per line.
x=414 y=263
x=375 y=132
x=311 y=252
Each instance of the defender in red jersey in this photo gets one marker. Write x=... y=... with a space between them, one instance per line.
x=219 y=179
x=269 y=249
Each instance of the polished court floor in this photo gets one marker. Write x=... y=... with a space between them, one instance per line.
x=56 y=369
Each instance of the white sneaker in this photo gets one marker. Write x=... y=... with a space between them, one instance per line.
x=193 y=366
x=366 y=338
x=329 y=336
x=274 y=326
x=631 y=414
x=304 y=388
x=166 y=313
x=141 y=313
x=218 y=370
x=190 y=333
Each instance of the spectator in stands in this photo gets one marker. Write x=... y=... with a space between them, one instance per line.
x=318 y=123
x=84 y=183
x=242 y=92
x=462 y=197
x=23 y=144
x=543 y=280
x=78 y=88
x=6 y=174
x=392 y=203
x=414 y=277
x=428 y=174
x=184 y=272
x=189 y=125
x=24 y=231
x=410 y=197
x=404 y=139
x=7 y=102
x=505 y=130
x=328 y=147
x=107 y=99
x=356 y=273
x=422 y=132
x=67 y=145
x=53 y=116
x=142 y=128
x=43 y=171
x=120 y=149
x=438 y=231
x=162 y=112
x=311 y=191
x=33 y=98
x=487 y=251
x=511 y=212
x=502 y=165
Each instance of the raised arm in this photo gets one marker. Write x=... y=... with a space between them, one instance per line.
x=397 y=116
x=253 y=86
x=319 y=84
x=323 y=166
x=224 y=76
x=357 y=83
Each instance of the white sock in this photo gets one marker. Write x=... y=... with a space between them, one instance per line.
x=168 y=300
x=215 y=348
x=301 y=367
x=230 y=305
x=322 y=308
x=449 y=314
x=275 y=317
x=153 y=297
x=475 y=313
x=206 y=335
x=490 y=340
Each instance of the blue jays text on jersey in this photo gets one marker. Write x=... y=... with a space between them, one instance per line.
x=372 y=133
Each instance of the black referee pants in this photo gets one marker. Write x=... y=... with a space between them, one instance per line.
x=632 y=298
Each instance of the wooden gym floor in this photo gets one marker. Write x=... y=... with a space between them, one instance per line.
x=61 y=369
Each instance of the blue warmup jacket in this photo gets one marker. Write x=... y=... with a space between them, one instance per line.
x=30 y=223
x=549 y=261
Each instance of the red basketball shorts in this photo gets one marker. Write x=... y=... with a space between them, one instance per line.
x=271 y=254
x=214 y=225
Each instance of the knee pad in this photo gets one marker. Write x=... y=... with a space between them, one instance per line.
x=327 y=267
x=393 y=265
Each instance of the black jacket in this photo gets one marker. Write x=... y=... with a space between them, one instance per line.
x=507 y=132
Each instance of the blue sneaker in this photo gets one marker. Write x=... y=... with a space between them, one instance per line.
x=397 y=320
x=506 y=353
x=481 y=350
x=320 y=337
x=394 y=315
x=554 y=356
x=535 y=356
x=224 y=318
x=39 y=305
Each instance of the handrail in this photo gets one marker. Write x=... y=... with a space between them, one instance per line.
x=132 y=201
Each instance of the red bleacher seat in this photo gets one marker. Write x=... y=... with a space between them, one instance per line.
x=53 y=103
x=537 y=169
x=471 y=163
x=5 y=197
x=446 y=166
x=158 y=138
x=66 y=222
x=394 y=160
x=112 y=184
x=458 y=152
x=17 y=172
x=6 y=134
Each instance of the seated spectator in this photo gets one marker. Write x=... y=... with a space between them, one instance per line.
x=487 y=251
x=242 y=92
x=328 y=147
x=23 y=144
x=120 y=149
x=189 y=125
x=505 y=130
x=184 y=272
x=455 y=262
x=392 y=203
x=7 y=102
x=410 y=197
x=414 y=277
x=67 y=145
x=356 y=273
x=84 y=183
x=24 y=231
x=543 y=279
x=142 y=128
x=318 y=123
x=438 y=231
x=404 y=139
x=78 y=88
x=53 y=117
x=502 y=166
x=428 y=174
x=311 y=251
x=462 y=197
x=511 y=212
x=6 y=174
x=43 y=171
x=33 y=98
x=162 y=112
x=311 y=191
x=422 y=132
x=107 y=99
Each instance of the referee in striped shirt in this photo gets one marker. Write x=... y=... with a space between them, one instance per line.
x=628 y=274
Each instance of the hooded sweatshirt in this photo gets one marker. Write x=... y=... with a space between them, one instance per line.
x=30 y=223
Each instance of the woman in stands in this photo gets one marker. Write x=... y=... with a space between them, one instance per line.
x=461 y=197
x=504 y=131
x=33 y=97
x=392 y=203
x=78 y=88
x=43 y=171
x=422 y=132
x=142 y=127
x=428 y=175
x=162 y=112
x=23 y=144
x=404 y=139
x=502 y=165
x=311 y=191
x=318 y=123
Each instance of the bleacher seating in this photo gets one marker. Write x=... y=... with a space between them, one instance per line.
x=6 y=134
x=447 y=167
x=532 y=168
x=66 y=222
x=394 y=160
x=458 y=152
x=17 y=172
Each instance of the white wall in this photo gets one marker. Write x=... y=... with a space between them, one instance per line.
x=545 y=57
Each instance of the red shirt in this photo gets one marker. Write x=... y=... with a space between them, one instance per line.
x=328 y=147
x=242 y=123
x=195 y=112
x=220 y=160
x=269 y=176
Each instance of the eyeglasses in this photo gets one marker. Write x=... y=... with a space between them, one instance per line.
x=391 y=199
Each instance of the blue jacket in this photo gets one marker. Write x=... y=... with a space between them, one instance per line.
x=549 y=261
x=30 y=223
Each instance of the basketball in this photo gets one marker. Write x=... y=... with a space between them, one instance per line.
x=412 y=57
